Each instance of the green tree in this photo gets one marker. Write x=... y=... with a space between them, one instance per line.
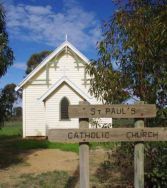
x=35 y=59
x=6 y=53
x=134 y=46
x=135 y=40
x=17 y=112
x=8 y=96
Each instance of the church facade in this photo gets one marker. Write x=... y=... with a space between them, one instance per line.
x=58 y=81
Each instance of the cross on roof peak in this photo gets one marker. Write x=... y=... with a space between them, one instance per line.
x=66 y=37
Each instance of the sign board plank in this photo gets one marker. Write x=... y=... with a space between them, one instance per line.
x=108 y=135
x=112 y=111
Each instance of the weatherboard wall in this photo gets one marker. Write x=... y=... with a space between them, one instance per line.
x=34 y=111
x=39 y=116
x=67 y=66
x=52 y=106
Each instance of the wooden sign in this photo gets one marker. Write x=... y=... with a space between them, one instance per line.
x=112 y=111
x=84 y=135
x=107 y=135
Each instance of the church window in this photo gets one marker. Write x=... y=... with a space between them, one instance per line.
x=64 y=109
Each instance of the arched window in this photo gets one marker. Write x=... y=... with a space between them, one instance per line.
x=64 y=109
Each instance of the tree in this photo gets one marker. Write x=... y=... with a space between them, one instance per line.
x=8 y=96
x=17 y=112
x=135 y=40
x=35 y=59
x=6 y=53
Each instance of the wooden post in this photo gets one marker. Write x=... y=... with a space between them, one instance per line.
x=139 y=158
x=84 y=155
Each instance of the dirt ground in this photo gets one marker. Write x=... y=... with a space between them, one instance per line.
x=44 y=160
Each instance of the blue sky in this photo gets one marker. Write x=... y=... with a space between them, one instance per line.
x=36 y=25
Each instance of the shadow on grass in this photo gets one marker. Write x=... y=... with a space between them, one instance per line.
x=10 y=154
x=73 y=180
x=12 y=149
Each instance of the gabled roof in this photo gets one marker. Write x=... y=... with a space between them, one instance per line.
x=70 y=83
x=51 y=56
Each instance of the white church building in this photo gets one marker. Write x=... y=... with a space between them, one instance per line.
x=58 y=81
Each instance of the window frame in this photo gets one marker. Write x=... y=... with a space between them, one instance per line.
x=60 y=108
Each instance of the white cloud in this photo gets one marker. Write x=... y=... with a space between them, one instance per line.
x=21 y=66
x=44 y=25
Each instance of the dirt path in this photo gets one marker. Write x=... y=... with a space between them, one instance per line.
x=47 y=160
x=39 y=161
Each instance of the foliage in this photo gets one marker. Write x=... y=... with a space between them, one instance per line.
x=6 y=53
x=156 y=165
x=105 y=83
x=123 y=123
x=104 y=145
x=8 y=96
x=17 y=112
x=124 y=160
x=135 y=40
x=160 y=120
x=132 y=62
x=35 y=59
x=117 y=169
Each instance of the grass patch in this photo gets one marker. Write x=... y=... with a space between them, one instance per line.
x=58 y=179
x=14 y=130
x=12 y=145
x=64 y=147
x=24 y=144
x=11 y=130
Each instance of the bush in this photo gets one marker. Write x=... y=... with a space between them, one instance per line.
x=156 y=165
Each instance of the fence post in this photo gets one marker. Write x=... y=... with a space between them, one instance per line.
x=139 y=157
x=84 y=154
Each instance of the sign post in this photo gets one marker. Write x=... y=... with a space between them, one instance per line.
x=139 y=159
x=139 y=156
x=84 y=156
x=84 y=135
x=84 y=153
